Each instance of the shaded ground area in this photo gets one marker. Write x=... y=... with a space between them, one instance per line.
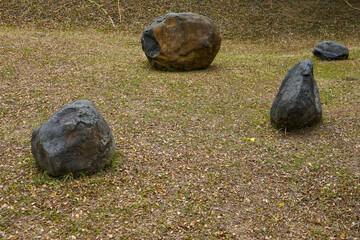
x=196 y=155
x=236 y=19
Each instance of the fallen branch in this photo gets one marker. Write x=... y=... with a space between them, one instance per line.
x=107 y=14
x=351 y=5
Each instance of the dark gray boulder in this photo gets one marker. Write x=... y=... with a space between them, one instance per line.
x=297 y=104
x=181 y=42
x=330 y=50
x=76 y=139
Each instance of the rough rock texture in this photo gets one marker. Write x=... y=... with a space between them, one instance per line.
x=297 y=104
x=73 y=140
x=181 y=42
x=330 y=50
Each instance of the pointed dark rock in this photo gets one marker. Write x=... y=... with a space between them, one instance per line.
x=297 y=104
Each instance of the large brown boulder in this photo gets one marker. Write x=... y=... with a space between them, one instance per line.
x=181 y=42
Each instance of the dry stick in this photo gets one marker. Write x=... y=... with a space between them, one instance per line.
x=119 y=10
x=107 y=14
x=351 y=5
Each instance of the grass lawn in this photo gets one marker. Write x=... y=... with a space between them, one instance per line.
x=196 y=156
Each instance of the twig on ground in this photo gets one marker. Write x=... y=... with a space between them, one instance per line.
x=351 y=5
x=354 y=225
x=107 y=14
x=119 y=9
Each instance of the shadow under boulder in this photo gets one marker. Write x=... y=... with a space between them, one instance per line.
x=181 y=42
x=76 y=139
x=297 y=104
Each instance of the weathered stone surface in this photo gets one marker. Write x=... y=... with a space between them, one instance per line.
x=330 y=50
x=73 y=140
x=181 y=42
x=297 y=104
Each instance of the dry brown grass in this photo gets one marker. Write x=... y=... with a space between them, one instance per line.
x=245 y=19
x=185 y=167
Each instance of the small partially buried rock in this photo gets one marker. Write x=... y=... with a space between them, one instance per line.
x=73 y=140
x=330 y=50
x=181 y=42
x=297 y=104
